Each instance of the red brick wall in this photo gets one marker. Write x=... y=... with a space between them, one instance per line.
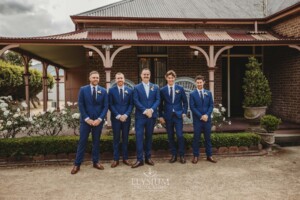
x=282 y=67
x=289 y=27
x=179 y=59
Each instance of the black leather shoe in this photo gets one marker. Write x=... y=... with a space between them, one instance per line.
x=182 y=160
x=173 y=159
x=137 y=164
x=149 y=162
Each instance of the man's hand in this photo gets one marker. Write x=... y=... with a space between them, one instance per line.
x=89 y=122
x=123 y=118
x=149 y=113
x=204 y=118
x=162 y=120
x=96 y=122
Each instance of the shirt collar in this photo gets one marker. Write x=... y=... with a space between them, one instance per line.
x=122 y=87
x=200 y=90
x=93 y=86
x=146 y=84
x=173 y=86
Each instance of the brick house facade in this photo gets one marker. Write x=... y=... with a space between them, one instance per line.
x=235 y=34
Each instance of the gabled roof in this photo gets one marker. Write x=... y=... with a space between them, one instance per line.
x=192 y=9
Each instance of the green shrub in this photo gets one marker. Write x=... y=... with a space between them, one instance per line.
x=68 y=144
x=255 y=86
x=270 y=123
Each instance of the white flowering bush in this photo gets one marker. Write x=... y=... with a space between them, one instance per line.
x=12 y=119
x=71 y=117
x=218 y=116
x=48 y=123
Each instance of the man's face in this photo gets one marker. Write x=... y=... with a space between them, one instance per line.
x=145 y=76
x=200 y=83
x=94 y=79
x=170 y=79
x=120 y=80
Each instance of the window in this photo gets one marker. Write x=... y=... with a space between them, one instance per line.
x=158 y=68
x=154 y=58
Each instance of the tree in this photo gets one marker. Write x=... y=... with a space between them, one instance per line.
x=14 y=58
x=12 y=82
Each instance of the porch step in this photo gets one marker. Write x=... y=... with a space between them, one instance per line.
x=290 y=137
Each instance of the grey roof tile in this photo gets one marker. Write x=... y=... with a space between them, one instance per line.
x=212 y=9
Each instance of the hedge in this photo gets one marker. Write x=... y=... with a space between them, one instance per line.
x=45 y=145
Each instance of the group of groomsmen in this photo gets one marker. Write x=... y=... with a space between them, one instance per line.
x=170 y=100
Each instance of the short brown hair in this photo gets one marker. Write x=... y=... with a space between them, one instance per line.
x=94 y=72
x=119 y=73
x=145 y=69
x=170 y=72
x=199 y=77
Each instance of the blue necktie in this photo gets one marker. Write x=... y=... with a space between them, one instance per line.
x=171 y=94
x=121 y=95
x=201 y=96
x=94 y=94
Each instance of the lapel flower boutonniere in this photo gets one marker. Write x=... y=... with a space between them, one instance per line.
x=205 y=93
x=99 y=92
x=126 y=91
x=177 y=91
x=152 y=88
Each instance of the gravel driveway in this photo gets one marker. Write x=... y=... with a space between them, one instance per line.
x=260 y=177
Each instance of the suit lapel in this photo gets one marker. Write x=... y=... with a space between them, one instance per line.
x=89 y=92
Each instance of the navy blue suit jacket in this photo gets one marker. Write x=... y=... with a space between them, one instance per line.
x=90 y=108
x=198 y=108
x=180 y=104
x=141 y=101
x=118 y=107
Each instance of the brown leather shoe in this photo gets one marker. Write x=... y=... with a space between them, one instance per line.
x=149 y=162
x=75 y=169
x=210 y=159
x=114 y=164
x=127 y=162
x=182 y=160
x=195 y=160
x=98 y=166
x=137 y=164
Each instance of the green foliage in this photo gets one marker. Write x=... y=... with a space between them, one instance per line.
x=68 y=144
x=12 y=83
x=270 y=123
x=256 y=86
x=14 y=58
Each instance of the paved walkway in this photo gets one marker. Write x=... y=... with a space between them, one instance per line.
x=258 y=177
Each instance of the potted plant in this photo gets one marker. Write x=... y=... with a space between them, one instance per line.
x=257 y=93
x=269 y=123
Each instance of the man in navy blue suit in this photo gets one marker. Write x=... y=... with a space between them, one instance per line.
x=172 y=110
x=201 y=104
x=93 y=106
x=120 y=104
x=146 y=100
